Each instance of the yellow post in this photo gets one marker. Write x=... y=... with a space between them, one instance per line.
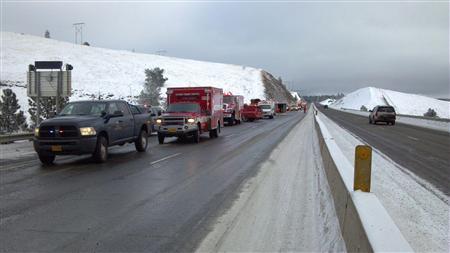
x=363 y=168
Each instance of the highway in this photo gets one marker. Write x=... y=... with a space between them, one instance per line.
x=422 y=151
x=161 y=200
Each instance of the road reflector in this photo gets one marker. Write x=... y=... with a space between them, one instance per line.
x=363 y=168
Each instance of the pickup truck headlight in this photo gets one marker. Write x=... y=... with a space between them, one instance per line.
x=36 y=132
x=191 y=121
x=87 y=131
x=158 y=121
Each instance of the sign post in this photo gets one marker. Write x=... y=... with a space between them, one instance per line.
x=363 y=168
x=48 y=83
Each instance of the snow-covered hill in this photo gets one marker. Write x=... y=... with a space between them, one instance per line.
x=295 y=95
x=120 y=73
x=404 y=103
x=328 y=101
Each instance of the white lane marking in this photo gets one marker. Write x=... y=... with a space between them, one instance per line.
x=165 y=158
x=229 y=135
x=412 y=138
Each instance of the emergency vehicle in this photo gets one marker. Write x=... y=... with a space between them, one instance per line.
x=191 y=111
x=232 y=105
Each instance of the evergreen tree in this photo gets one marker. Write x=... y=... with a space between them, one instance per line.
x=154 y=81
x=47 y=34
x=12 y=119
x=47 y=105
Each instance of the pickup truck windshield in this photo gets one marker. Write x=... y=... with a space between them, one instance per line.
x=185 y=107
x=83 y=108
x=228 y=99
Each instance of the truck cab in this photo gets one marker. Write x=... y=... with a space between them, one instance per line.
x=191 y=111
x=232 y=105
x=268 y=109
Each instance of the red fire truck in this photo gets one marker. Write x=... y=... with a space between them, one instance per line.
x=252 y=112
x=232 y=105
x=191 y=111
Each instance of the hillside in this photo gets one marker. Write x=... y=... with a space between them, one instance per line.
x=404 y=103
x=120 y=74
x=328 y=101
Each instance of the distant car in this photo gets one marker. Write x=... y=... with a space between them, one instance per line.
x=382 y=114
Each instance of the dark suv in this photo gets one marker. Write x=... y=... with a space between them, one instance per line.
x=382 y=114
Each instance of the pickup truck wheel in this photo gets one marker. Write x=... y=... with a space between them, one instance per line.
x=161 y=138
x=46 y=159
x=141 y=142
x=101 y=150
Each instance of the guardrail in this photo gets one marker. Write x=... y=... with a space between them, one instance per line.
x=365 y=224
x=8 y=138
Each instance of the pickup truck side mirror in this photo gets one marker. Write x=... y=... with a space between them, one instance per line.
x=117 y=114
x=52 y=114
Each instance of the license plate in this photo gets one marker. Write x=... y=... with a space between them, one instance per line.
x=172 y=130
x=56 y=148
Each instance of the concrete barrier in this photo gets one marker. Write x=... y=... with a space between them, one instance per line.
x=365 y=224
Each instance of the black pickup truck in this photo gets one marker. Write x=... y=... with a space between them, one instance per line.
x=90 y=127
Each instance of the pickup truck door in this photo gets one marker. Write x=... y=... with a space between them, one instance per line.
x=114 y=124
x=127 y=123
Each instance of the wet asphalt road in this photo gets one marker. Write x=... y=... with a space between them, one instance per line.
x=422 y=151
x=162 y=200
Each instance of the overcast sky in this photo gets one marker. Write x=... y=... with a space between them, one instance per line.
x=314 y=47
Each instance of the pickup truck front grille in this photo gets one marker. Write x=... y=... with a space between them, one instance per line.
x=173 y=121
x=58 y=132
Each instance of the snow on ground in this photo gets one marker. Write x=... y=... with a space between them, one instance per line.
x=328 y=101
x=121 y=73
x=286 y=207
x=404 y=103
x=420 y=211
x=16 y=150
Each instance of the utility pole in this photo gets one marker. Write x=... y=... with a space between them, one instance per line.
x=78 y=30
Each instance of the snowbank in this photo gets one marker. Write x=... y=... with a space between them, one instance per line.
x=120 y=73
x=328 y=101
x=404 y=103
